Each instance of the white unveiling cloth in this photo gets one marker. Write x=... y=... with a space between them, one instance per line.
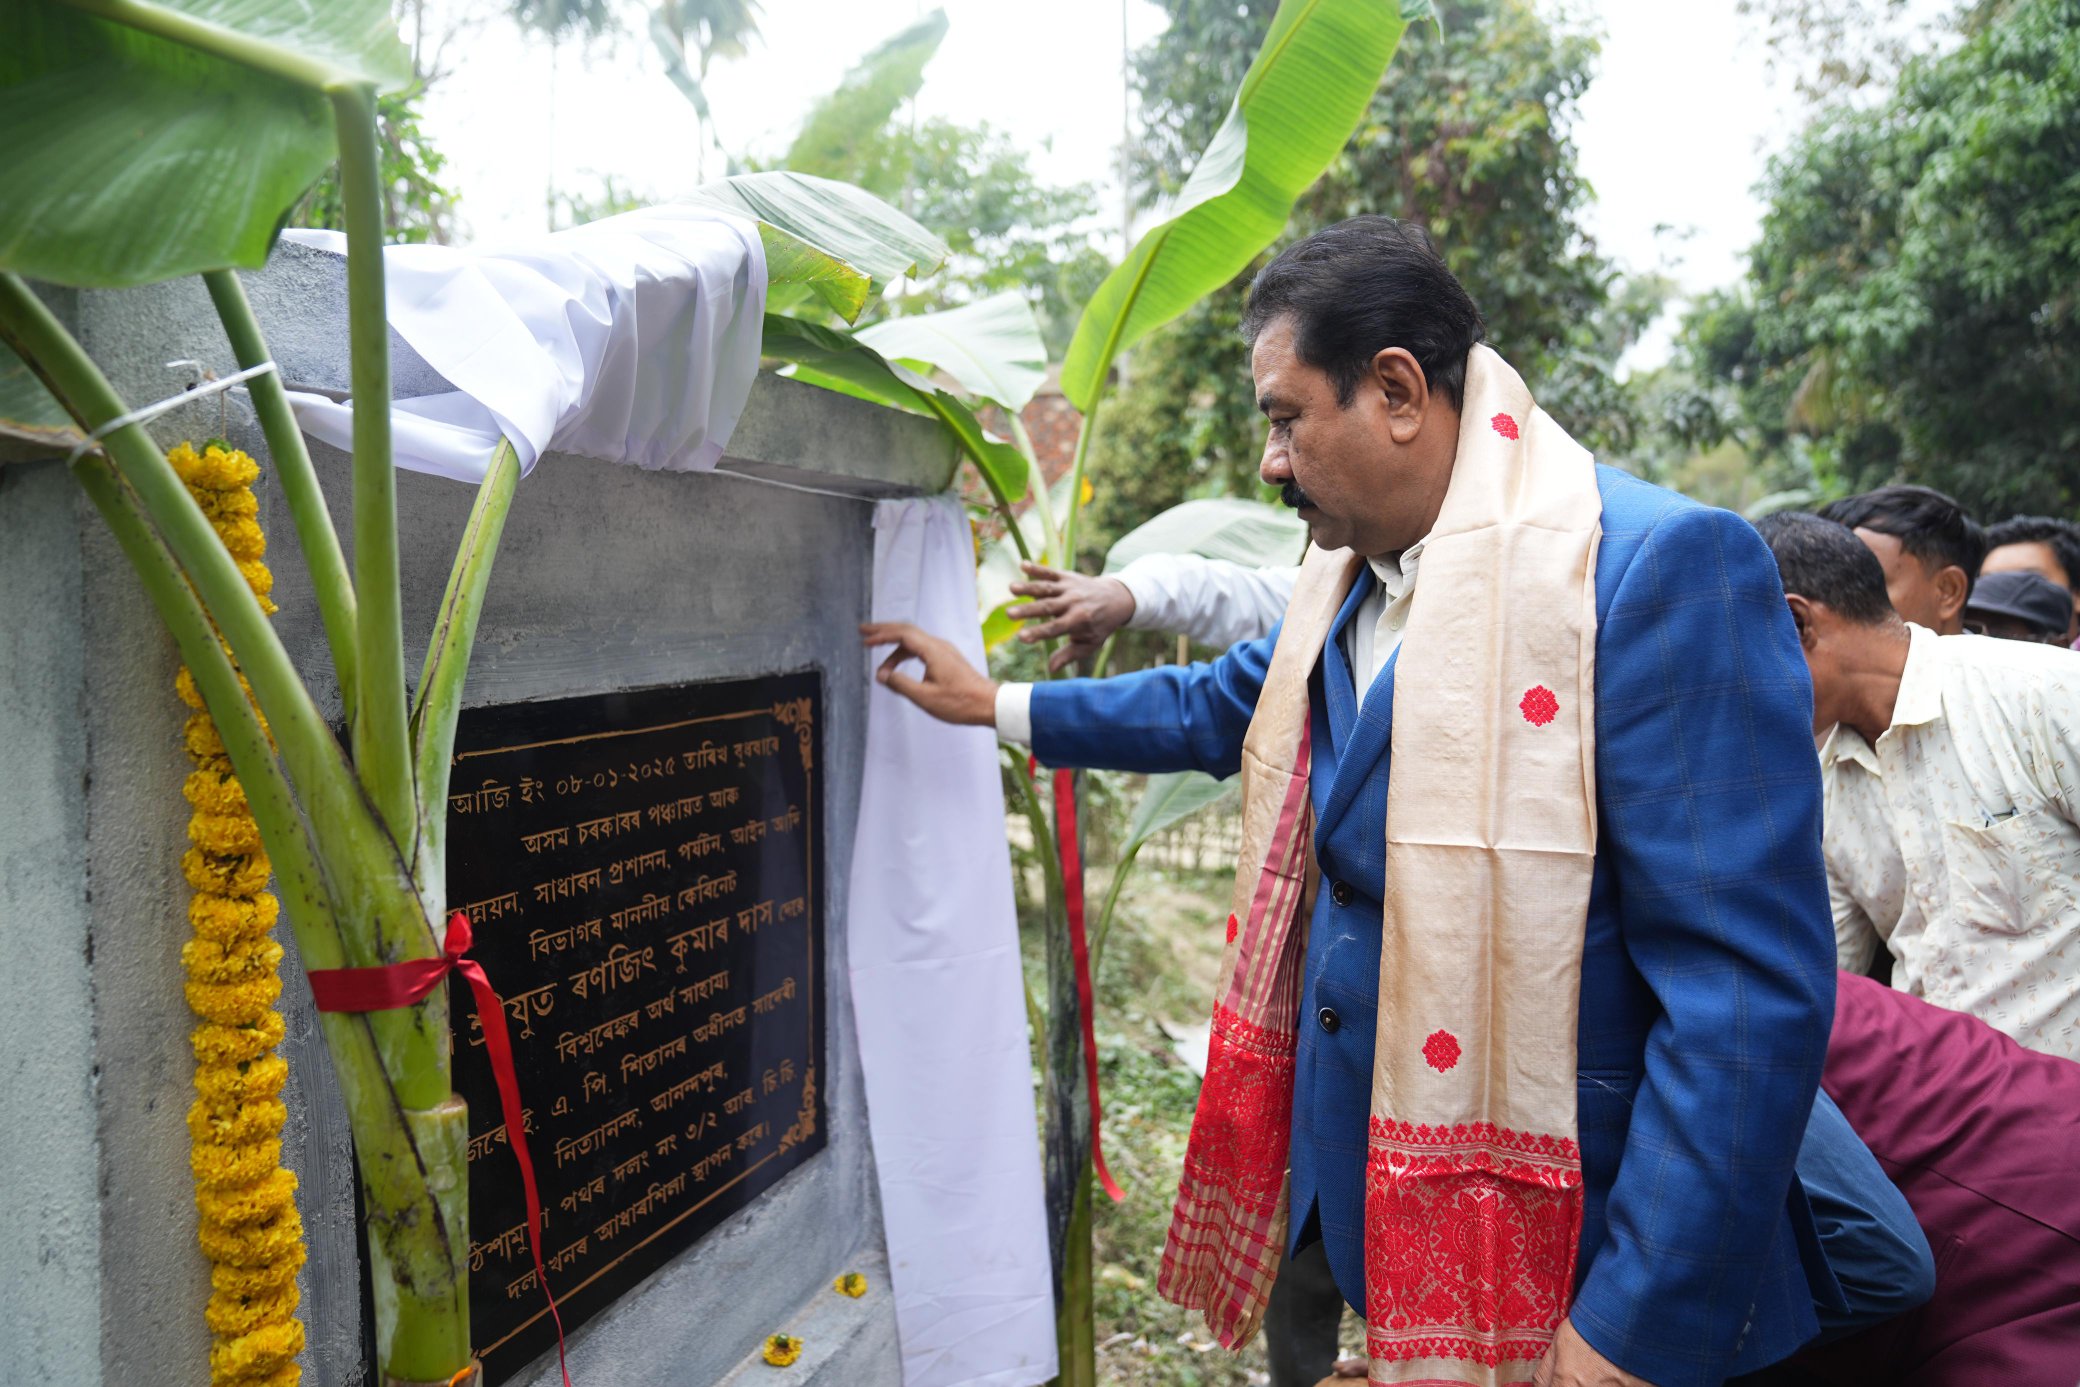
x=631 y=339
x=940 y=1001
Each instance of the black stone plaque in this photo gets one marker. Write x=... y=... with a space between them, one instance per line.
x=643 y=875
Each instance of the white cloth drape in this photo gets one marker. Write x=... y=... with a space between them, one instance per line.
x=936 y=987
x=632 y=339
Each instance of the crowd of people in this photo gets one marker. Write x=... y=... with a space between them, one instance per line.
x=1808 y=1156
x=1951 y=761
x=1951 y=771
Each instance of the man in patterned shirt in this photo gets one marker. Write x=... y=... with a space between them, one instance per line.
x=1952 y=779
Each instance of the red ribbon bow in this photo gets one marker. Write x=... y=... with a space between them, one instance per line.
x=390 y=987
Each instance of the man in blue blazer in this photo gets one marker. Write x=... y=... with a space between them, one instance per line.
x=1707 y=980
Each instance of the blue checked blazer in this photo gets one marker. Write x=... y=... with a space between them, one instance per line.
x=1708 y=969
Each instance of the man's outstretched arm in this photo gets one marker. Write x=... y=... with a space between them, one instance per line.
x=1190 y=717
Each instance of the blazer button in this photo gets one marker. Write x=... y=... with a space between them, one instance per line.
x=1331 y=1022
x=1341 y=893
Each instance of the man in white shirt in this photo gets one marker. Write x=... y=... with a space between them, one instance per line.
x=1952 y=778
x=1213 y=601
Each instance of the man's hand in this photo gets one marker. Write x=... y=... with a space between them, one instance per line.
x=1083 y=610
x=1570 y=1362
x=951 y=690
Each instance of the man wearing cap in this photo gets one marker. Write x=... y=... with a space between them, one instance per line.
x=1951 y=768
x=2042 y=545
x=2019 y=607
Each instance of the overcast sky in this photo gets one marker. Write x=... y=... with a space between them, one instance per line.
x=1673 y=132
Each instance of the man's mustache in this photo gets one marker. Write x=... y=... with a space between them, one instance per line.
x=1293 y=496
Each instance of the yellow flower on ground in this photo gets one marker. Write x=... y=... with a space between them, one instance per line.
x=852 y=1284
x=782 y=1349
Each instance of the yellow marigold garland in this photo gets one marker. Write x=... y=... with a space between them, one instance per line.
x=248 y=1225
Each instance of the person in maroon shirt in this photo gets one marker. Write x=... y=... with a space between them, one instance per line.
x=1983 y=1138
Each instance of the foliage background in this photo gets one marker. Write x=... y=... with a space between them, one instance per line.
x=1910 y=311
x=1471 y=135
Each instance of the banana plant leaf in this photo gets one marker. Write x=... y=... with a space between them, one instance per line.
x=28 y=414
x=1169 y=800
x=839 y=131
x=837 y=361
x=844 y=243
x=135 y=153
x=992 y=346
x=1299 y=102
x=1245 y=532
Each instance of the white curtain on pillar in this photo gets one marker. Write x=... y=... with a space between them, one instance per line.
x=933 y=941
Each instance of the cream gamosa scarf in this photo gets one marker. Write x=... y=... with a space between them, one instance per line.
x=1473 y=1181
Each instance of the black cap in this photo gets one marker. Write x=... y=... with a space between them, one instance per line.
x=2027 y=597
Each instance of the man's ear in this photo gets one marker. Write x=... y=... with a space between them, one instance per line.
x=1802 y=617
x=1952 y=588
x=1403 y=389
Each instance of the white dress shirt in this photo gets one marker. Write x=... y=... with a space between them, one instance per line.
x=1215 y=602
x=1956 y=839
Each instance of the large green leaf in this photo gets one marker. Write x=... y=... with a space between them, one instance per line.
x=992 y=347
x=793 y=263
x=27 y=411
x=1298 y=104
x=1169 y=800
x=1245 y=532
x=841 y=241
x=133 y=156
x=840 y=127
x=838 y=361
x=1003 y=466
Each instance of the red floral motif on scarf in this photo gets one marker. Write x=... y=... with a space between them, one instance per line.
x=1539 y=706
x=1441 y=1050
x=1505 y=426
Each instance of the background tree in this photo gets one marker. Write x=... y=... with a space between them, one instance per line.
x=1911 y=310
x=418 y=205
x=688 y=34
x=1473 y=138
x=1005 y=227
